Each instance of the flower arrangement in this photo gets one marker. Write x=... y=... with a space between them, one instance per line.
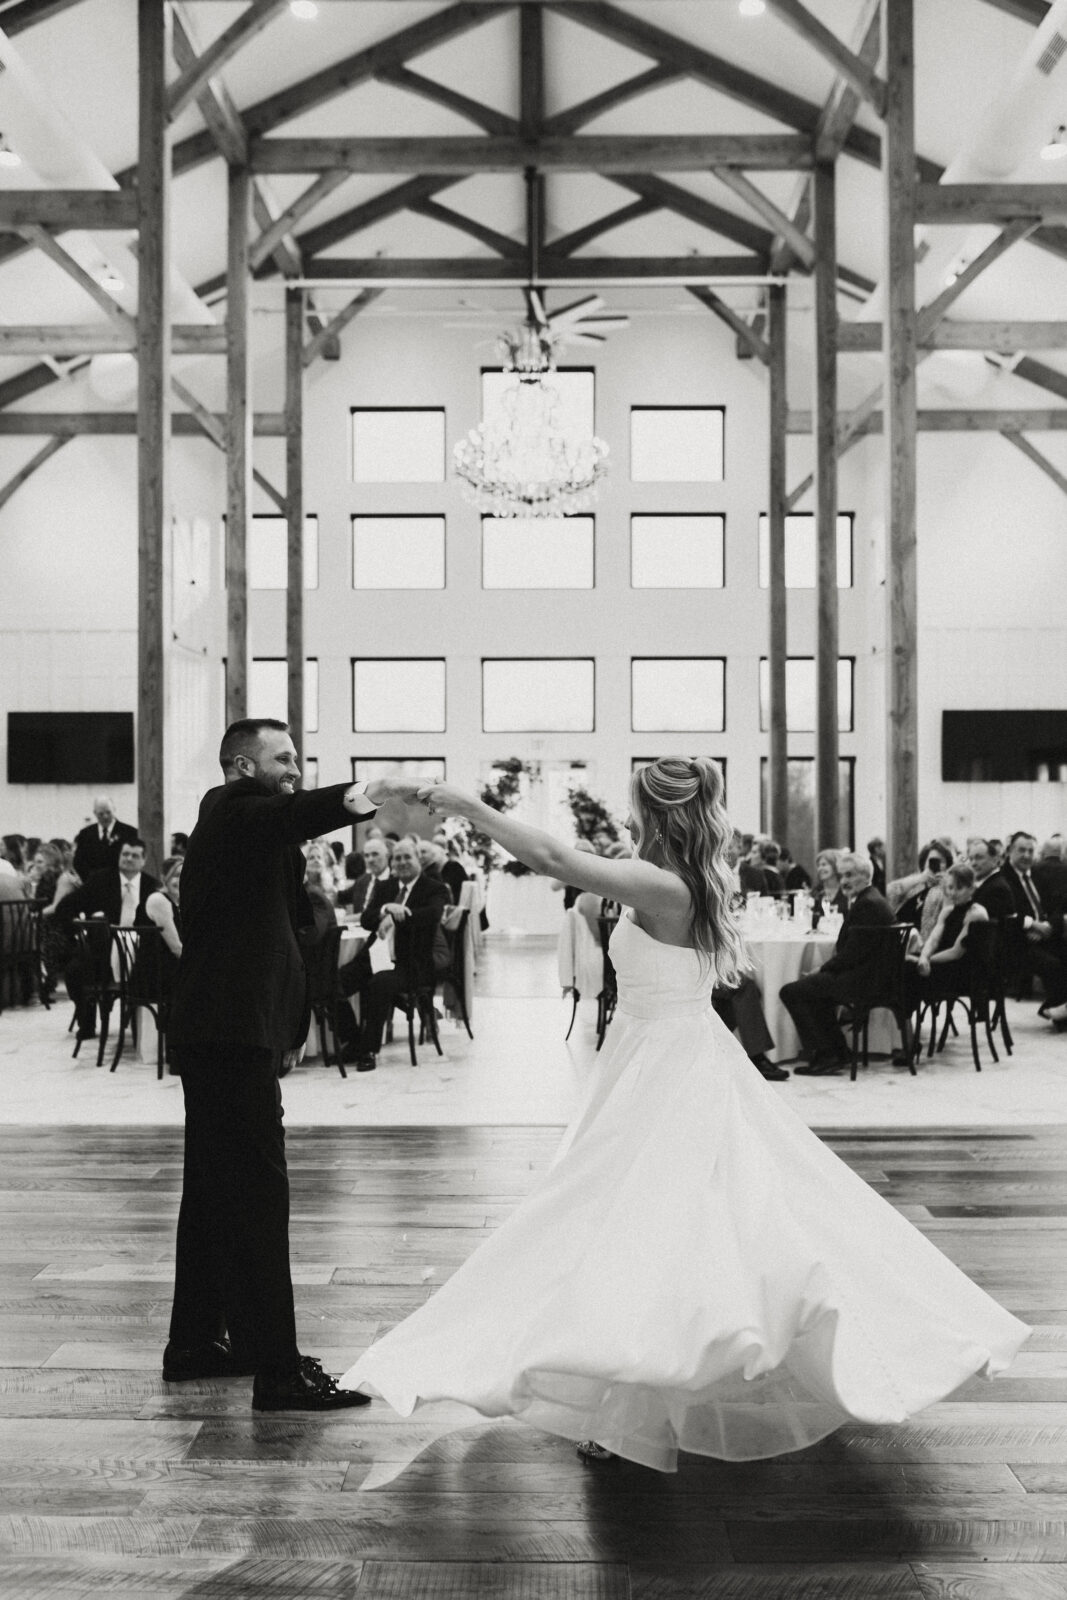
x=501 y=794
x=591 y=816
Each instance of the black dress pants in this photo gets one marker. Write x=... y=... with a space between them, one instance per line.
x=232 y=1271
x=741 y=1009
x=1047 y=962
x=812 y=1002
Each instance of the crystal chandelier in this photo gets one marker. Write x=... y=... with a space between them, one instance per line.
x=522 y=461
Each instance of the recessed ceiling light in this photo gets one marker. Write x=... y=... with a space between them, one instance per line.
x=306 y=10
x=752 y=8
x=8 y=157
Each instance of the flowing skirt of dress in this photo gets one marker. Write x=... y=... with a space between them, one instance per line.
x=696 y=1271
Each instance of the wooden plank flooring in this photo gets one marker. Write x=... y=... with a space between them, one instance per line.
x=112 y=1482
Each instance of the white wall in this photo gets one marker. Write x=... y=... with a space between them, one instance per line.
x=992 y=570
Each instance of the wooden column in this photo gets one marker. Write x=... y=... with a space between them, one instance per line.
x=238 y=439
x=898 y=335
x=777 y=767
x=294 y=503
x=824 y=429
x=153 y=411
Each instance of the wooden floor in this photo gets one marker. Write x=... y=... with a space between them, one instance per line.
x=113 y=1483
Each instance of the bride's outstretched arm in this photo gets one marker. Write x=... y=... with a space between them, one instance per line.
x=632 y=881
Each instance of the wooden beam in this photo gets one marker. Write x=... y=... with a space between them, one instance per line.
x=153 y=332
x=286 y=220
x=1004 y=338
x=900 y=331
x=680 y=152
x=573 y=269
x=69 y=424
x=336 y=326
x=214 y=428
x=225 y=130
x=944 y=420
x=932 y=313
x=684 y=203
x=28 y=13
x=777 y=641
x=567 y=243
x=852 y=68
x=577 y=116
x=1043 y=376
x=784 y=227
x=964 y=204
x=476 y=230
x=429 y=89
x=45 y=453
x=1033 y=12
x=195 y=77
x=400 y=198
x=1021 y=442
x=78 y=338
x=825 y=451
x=735 y=322
x=59 y=209
x=43 y=241
x=238 y=438
x=294 y=492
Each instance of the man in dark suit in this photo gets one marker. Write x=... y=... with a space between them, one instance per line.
x=991 y=888
x=1050 y=875
x=115 y=894
x=97 y=846
x=411 y=918
x=849 y=974
x=1043 y=953
x=240 y=1014
x=376 y=863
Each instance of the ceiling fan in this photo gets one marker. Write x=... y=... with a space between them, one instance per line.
x=576 y=323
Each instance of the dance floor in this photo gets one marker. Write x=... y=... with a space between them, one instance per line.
x=112 y=1481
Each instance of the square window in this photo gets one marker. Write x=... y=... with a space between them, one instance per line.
x=800 y=693
x=677 y=552
x=268 y=689
x=268 y=553
x=538 y=696
x=575 y=387
x=676 y=444
x=398 y=552
x=800 y=556
x=398 y=445
x=391 y=695
x=430 y=769
x=800 y=788
x=537 y=552
x=680 y=694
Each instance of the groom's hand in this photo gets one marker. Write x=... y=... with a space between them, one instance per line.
x=381 y=789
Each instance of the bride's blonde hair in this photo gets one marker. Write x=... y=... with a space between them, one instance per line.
x=681 y=824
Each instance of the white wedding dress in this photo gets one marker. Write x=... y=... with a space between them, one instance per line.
x=696 y=1270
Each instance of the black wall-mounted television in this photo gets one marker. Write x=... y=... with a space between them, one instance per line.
x=1003 y=746
x=70 y=747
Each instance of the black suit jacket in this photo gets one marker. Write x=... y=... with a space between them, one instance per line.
x=102 y=892
x=241 y=983
x=995 y=893
x=1050 y=911
x=385 y=890
x=857 y=959
x=93 y=854
x=414 y=937
x=1050 y=875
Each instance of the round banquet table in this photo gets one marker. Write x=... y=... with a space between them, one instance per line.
x=780 y=956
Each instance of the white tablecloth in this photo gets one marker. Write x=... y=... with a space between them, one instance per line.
x=781 y=957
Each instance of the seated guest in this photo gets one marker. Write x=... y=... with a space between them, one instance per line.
x=570 y=893
x=992 y=889
x=876 y=851
x=795 y=876
x=828 y=894
x=750 y=872
x=1045 y=952
x=849 y=975
x=11 y=884
x=943 y=968
x=319 y=871
x=453 y=872
x=97 y=846
x=770 y=855
x=1050 y=875
x=917 y=898
x=44 y=873
x=742 y=1011
x=411 y=919
x=117 y=895
x=179 y=844
x=431 y=858
x=375 y=872
x=164 y=906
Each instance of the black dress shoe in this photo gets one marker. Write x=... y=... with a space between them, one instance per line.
x=768 y=1070
x=366 y=1062
x=821 y=1067
x=307 y=1389
x=215 y=1360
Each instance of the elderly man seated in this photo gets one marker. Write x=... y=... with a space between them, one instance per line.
x=848 y=975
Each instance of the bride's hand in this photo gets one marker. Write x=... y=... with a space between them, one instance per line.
x=444 y=800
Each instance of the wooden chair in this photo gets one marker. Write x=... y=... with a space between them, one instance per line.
x=608 y=998
x=20 y=953
x=99 y=986
x=321 y=958
x=980 y=999
x=889 y=992
x=144 y=982
x=455 y=976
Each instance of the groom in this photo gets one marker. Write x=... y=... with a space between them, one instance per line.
x=240 y=1015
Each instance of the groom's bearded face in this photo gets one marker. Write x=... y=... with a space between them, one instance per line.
x=274 y=763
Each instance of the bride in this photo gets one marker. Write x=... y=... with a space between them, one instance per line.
x=696 y=1270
